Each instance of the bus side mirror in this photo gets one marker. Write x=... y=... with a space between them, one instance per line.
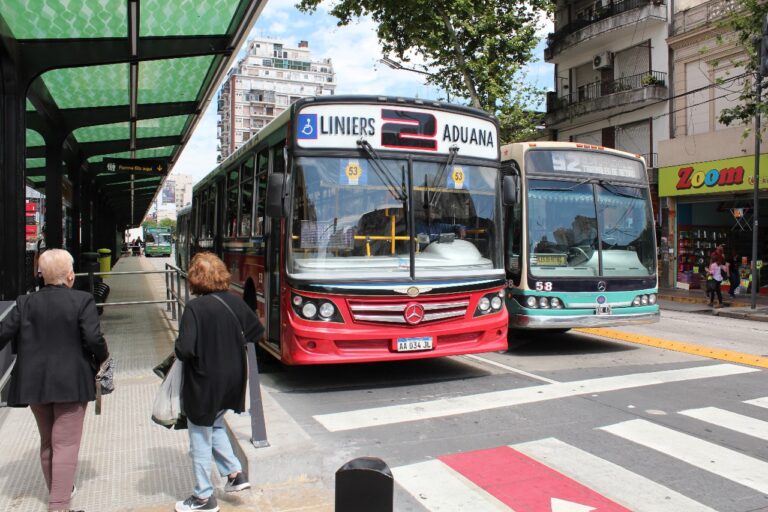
x=511 y=187
x=275 y=188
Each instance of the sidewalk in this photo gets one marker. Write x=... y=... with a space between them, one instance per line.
x=677 y=299
x=128 y=463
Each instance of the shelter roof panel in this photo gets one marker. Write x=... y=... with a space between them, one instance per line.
x=169 y=80
x=93 y=86
x=161 y=126
x=65 y=19
x=35 y=162
x=114 y=131
x=186 y=17
x=162 y=152
x=34 y=139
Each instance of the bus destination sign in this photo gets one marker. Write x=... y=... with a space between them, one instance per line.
x=584 y=162
x=136 y=166
x=396 y=127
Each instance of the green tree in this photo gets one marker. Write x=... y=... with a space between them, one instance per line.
x=471 y=49
x=746 y=22
x=169 y=224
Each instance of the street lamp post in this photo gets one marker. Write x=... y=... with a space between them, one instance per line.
x=393 y=64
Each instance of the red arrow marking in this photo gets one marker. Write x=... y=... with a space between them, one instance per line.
x=524 y=484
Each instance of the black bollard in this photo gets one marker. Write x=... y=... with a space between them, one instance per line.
x=364 y=484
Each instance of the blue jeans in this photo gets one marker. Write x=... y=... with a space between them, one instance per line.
x=206 y=443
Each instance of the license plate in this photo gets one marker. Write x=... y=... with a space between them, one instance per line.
x=603 y=309
x=411 y=344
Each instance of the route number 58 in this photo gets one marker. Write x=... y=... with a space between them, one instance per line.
x=543 y=286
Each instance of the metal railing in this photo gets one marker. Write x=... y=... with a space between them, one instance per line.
x=556 y=40
x=701 y=15
x=599 y=89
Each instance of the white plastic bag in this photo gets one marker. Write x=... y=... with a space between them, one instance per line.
x=166 y=409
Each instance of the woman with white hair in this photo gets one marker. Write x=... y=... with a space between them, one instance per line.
x=57 y=340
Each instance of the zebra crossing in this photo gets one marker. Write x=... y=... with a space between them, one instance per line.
x=550 y=475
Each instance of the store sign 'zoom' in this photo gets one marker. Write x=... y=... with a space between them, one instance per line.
x=689 y=178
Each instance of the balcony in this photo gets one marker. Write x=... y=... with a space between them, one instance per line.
x=701 y=15
x=589 y=101
x=606 y=19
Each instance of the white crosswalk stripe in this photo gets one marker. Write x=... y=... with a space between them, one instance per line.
x=439 y=488
x=760 y=402
x=730 y=420
x=379 y=416
x=723 y=462
x=611 y=480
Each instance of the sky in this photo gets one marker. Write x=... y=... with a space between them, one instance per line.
x=355 y=52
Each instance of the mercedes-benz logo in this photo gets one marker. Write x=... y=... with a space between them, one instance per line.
x=414 y=313
x=601 y=286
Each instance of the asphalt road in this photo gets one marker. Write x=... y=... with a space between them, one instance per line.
x=562 y=423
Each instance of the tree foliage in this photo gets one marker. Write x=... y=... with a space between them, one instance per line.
x=746 y=23
x=472 y=49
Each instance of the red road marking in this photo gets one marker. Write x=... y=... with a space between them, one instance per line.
x=524 y=484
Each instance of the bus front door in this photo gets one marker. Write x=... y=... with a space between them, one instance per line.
x=272 y=298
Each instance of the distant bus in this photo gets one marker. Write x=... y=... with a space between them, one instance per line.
x=363 y=229
x=580 y=239
x=30 y=230
x=157 y=242
x=183 y=219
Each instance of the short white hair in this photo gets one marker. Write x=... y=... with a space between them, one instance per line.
x=55 y=265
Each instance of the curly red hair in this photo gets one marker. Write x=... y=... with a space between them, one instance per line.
x=207 y=274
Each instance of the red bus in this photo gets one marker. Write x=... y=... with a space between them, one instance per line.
x=363 y=229
x=30 y=230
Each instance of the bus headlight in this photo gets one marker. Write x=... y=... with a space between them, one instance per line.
x=496 y=303
x=531 y=302
x=555 y=303
x=484 y=304
x=543 y=303
x=644 y=300
x=652 y=299
x=309 y=310
x=636 y=301
x=327 y=310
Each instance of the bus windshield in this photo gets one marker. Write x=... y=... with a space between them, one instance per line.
x=589 y=228
x=351 y=219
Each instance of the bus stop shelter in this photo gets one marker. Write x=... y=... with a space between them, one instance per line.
x=88 y=80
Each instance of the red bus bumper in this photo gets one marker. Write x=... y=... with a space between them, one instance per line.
x=323 y=343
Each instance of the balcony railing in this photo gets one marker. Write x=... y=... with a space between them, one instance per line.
x=702 y=15
x=556 y=41
x=600 y=89
x=651 y=160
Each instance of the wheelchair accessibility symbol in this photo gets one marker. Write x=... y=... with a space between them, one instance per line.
x=307 y=126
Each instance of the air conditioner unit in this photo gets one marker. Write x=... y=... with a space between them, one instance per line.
x=602 y=60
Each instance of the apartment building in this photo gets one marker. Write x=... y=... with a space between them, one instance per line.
x=611 y=81
x=270 y=77
x=707 y=169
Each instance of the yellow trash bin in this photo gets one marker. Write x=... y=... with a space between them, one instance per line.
x=105 y=260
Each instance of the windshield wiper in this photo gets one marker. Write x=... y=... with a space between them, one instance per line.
x=452 y=152
x=556 y=189
x=383 y=171
x=610 y=187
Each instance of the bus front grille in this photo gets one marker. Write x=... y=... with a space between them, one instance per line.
x=395 y=312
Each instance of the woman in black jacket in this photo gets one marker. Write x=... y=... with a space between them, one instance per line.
x=212 y=335
x=57 y=341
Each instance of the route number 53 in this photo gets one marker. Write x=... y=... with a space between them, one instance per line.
x=543 y=286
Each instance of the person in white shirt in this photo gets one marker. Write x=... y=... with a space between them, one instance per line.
x=714 y=279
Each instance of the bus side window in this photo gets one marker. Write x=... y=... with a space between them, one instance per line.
x=246 y=197
x=278 y=160
x=233 y=185
x=260 y=192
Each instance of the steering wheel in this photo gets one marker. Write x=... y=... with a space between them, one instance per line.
x=578 y=250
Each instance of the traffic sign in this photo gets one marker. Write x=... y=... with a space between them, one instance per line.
x=526 y=485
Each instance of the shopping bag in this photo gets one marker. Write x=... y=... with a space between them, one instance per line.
x=166 y=409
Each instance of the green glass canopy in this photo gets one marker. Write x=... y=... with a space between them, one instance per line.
x=121 y=79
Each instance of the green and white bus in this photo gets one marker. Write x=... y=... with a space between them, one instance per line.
x=579 y=237
x=157 y=242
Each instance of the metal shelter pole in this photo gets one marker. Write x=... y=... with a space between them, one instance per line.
x=756 y=193
x=54 y=229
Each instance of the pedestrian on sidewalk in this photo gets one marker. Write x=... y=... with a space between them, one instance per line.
x=714 y=280
x=58 y=342
x=733 y=273
x=212 y=334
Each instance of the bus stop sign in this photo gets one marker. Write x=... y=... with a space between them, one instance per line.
x=136 y=166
